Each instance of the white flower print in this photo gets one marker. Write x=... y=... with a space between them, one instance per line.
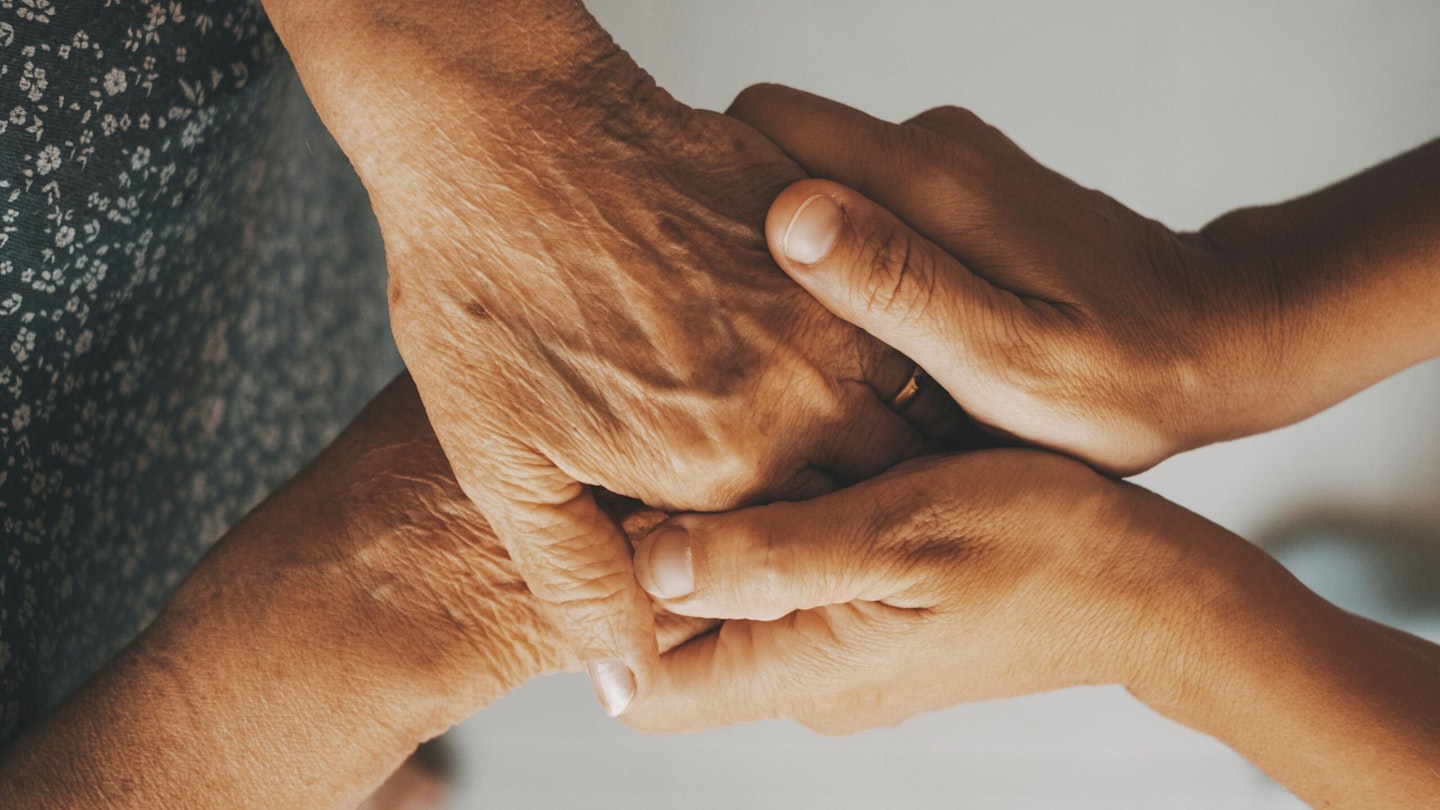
x=131 y=249
x=23 y=344
x=37 y=10
x=33 y=82
x=48 y=160
x=115 y=82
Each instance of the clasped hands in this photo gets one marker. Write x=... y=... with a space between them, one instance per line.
x=581 y=292
x=594 y=322
x=1057 y=319
x=1054 y=316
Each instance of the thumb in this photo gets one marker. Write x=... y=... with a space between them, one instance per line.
x=869 y=268
x=577 y=561
x=765 y=562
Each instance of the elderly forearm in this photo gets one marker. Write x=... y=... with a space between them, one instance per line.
x=359 y=611
x=222 y=708
x=415 y=89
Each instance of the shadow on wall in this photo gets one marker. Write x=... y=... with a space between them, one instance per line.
x=1380 y=563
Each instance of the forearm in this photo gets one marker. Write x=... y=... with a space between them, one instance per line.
x=359 y=611
x=1340 y=710
x=421 y=92
x=208 y=711
x=1356 y=279
x=496 y=40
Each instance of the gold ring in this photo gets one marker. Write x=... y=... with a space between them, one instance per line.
x=918 y=377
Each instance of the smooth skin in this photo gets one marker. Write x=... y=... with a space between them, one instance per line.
x=1055 y=315
x=999 y=573
x=580 y=286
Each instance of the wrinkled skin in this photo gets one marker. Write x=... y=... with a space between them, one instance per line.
x=363 y=608
x=581 y=289
x=382 y=504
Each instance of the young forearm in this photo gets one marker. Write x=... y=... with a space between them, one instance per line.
x=1337 y=708
x=1356 y=279
x=1345 y=718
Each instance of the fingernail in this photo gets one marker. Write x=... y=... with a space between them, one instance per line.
x=614 y=684
x=813 y=230
x=672 y=572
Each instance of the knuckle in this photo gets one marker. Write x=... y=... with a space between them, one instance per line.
x=738 y=469
x=954 y=154
x=756 y=95
x=756 y=565
x=572 y=577
x=950 y=118
x=734 y=480
x=579 y=597
x=959 y=127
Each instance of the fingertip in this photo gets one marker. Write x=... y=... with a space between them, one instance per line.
x=789 y=201
x=621 y=667
x=806 y=224
x=664 y=563
x=813 y=230
x=614 y=683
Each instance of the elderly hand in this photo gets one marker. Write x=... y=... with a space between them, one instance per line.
x=580 y=287
x=1054 y=314
x=363 y=608
x=442 y=604
x=1007 y=572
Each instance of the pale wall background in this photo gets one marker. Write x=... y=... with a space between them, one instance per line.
x=1181 y=110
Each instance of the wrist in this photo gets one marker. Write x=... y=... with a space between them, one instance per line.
x=449 y=620
x=434 y=97
x=438 y=608
x=1261 y=344
x=1195 y=590
x=1339 y=710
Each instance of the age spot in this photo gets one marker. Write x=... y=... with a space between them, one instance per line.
x=477 y=311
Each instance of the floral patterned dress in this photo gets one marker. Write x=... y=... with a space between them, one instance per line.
x=191 y=304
